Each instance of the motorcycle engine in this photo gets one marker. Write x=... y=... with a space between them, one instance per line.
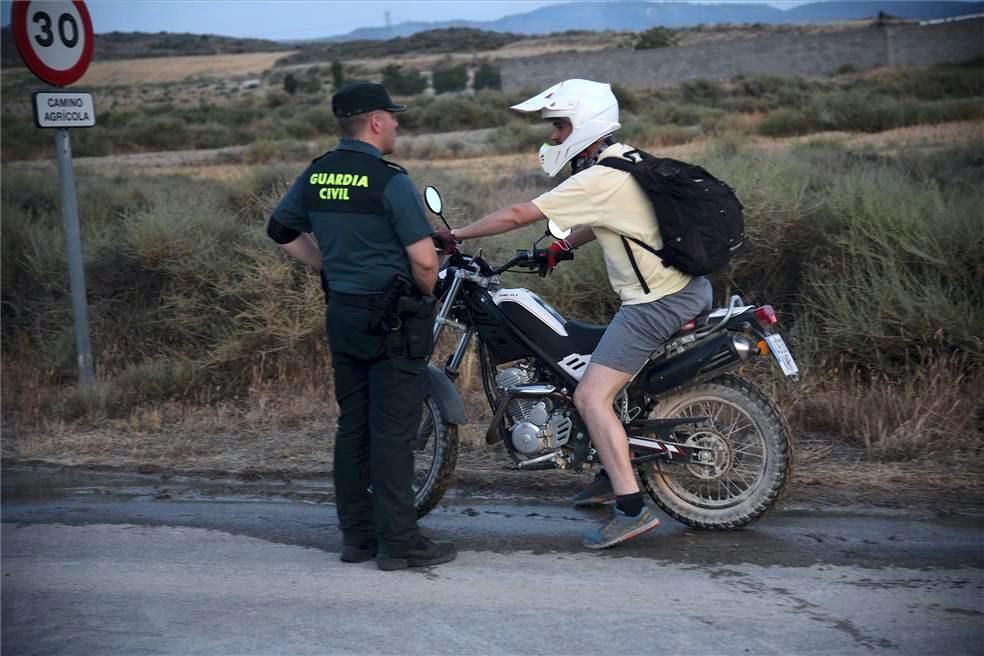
x=537 y=426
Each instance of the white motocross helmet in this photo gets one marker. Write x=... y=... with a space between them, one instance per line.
x=591 y=108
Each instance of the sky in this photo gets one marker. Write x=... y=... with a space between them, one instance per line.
x=295 y=19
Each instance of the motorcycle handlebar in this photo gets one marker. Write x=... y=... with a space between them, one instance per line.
x=535 y=259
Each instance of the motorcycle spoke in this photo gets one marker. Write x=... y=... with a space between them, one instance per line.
x=734 y=429
x=724 y=483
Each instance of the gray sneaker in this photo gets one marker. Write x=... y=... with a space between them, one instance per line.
x=598 y=493
x=619 y=528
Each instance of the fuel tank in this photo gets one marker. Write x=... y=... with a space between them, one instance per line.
x=544 y=326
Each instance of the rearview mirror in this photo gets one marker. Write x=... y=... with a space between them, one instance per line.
x=556 y=231
x=433 y=199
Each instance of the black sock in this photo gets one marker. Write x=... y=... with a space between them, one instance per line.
x=630 y=504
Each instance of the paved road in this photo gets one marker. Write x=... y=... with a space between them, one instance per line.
x=96 y=567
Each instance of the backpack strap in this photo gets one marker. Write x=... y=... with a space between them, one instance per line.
x=618 y=163
x=635 y=266
x=628 y=165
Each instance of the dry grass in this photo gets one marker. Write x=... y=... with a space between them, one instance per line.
x=175 y=69
x=889 y=141
x=937 y=413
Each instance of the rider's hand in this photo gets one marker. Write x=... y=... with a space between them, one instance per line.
x=445 y=241
x=553 y=251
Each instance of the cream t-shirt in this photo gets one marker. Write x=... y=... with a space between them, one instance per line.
x=613 y=204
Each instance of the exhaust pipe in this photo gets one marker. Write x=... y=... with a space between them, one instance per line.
x=700 y=362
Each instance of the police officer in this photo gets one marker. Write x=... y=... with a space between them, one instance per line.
x=370 y=235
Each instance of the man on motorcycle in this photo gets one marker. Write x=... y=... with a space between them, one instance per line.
x=602 y=203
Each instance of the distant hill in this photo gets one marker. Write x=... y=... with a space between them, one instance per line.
x=132 y=45
x=643 y=15
x=451 y=39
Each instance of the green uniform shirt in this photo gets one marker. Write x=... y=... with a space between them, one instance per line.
x=363 y=212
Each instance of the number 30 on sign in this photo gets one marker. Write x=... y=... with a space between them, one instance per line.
x=54 y=38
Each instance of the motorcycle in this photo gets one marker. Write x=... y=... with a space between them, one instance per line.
x=710 y=448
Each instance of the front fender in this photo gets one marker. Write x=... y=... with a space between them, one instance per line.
x=446 y=395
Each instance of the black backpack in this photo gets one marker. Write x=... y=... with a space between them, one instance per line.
x=699 y=216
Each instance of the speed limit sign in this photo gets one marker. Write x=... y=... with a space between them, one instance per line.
x=54 y=38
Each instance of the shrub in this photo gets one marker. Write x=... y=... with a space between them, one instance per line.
x=337 y=75
x=407 y=83
x=266 y=150
x=905 y=276
x=276 y=99
x=444 y=113
x=858 y=111
x=628 y=100
x=704 y=92
x=517 y=136
x=450 y=78
x=159 y=134
x=786 y=123
x=290 y=84
x=487 y=77
x=657 y=37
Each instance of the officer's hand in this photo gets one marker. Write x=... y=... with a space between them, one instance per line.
x=445 y=241
x=559 y=250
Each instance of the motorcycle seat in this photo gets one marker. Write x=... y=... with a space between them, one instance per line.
x=584 y=335
x=700 y=321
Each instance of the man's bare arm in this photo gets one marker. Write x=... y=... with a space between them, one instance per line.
x=423 y=264
x=581 y=236
x=304 y=249
x=504 y=220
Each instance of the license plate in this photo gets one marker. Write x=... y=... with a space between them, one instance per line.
x=777 y=346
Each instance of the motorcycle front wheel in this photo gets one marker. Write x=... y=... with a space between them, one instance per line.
x=752 y=456
x=435 y=455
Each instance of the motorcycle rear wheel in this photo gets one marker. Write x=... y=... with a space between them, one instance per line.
x=434 y=461
x=751 y=465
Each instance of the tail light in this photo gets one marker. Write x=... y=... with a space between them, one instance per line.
x=766 y=316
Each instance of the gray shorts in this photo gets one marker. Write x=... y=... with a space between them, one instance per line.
x=638 y=330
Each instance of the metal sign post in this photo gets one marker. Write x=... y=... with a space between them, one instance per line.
x=73 y=251
x=55 y=40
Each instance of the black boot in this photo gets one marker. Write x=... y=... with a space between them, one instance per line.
x=422 y=553
x=359 y=553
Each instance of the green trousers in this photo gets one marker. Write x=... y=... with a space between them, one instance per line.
x=380 y=399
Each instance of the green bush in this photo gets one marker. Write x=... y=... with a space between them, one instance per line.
x=404 y=83
x=290 y=84
x=487 y=76
x=450 y=78
x=628 y=100
x=786 y=123
x=703 y=92
x=657 y=37
x=905 y=276
x=337 y=75
x=444 y=113
x=859 y=111
x=518 y=136
x=159 y=134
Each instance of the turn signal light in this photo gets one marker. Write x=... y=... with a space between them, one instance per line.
x=763 y=347
x=766 y=316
